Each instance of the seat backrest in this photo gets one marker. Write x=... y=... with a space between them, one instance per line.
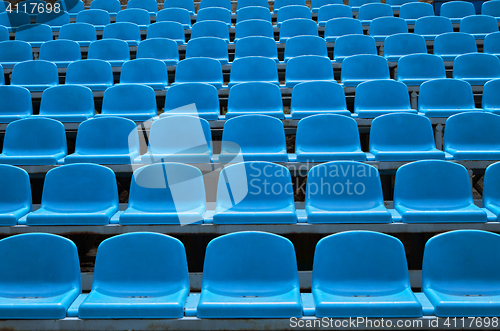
x=210 y=29
x=433 y=25
x=89 y=72
x=370 y=96
x=478 y=24
x=122 y=31
x=297 y=27
x=60 y=50
x=214 y=14
x=283 y=3
x=72 y=6
x=342 y=26
x=211 y=47
x=491 y=187
x=160 y=49
x=15 y=51
x=199 y=70
x=254 y=69
x=15 y=100
x=491 y=8
x=386 y=26
x=242 y=4
x=93 y=16
x=317 y=4
x=309 y=67
x=318 y=96
x=305 y=45
x=111 y=6
x=109 y=49
x=462 y=133
x=445 y=94
x=134 y=98
x=491 y=97
x=404 y=44
x=35 y=73
x=421 y=66
x=353 y=45
x=359 y=3
x=294 y=11
x=34 y=32
x=78 y=32
x=53 y=18
x=189 y=4
x=134 y=15
x=254 y=97
x=415 y=10
x=144 y=71
x=67 y=99
x=169 y=30
x=492 y=43
x=215 y=3
x=476 y=65
x=372 y=11
x=14 y=19
x=256 y=46
x=149 y=5
x=364 y=67
x=457 y=9
x=16 y=188
x=179 y=15
x=192 y=98
x=454 y=43
x=332 y=11
x=399 y=2
x=254 y=28
x=253 y=13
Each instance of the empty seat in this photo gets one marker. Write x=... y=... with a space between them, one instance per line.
x=14 y=51
x=445 y=97
x=185 y=139
x=114 y=51
x=15 y=195
x=36 y=76
x=415 y=10
x=450 y=45
x=491 y=97
x=40 y=276
x=67 y=103
x=312 y=98
x=476 y=68
x=329 y=12
x=492 y=44
x=396 y=4
x=136 y=16
x=253 y=28
x=34 y=141
x=150 y=72
x=105 y=140
x=283 y=3
x=359 y=68
x=308 y=68
x=342 y=26
x=371 y=11
x=255 y=46
x=82 y=33
x=403 y=137
x=133 y=101
x=242 y=4
x=382 y=27
x=210 y=29
x=95 y=74
x=61 y=52
x=162 y=49
x=150 y=5
x=246 y=195
x=479 y=25
x=14 y=20
x=435 y=191
x=491 y=194
x=402 y=44
x=16 y=103
x=253 y=13
x=183 y=4
x=430 y=27
x=169 y=30
x=355 y=4
x=291 y=12
x=297 y=27
x=216 y=3
x=208 y=47
x=328 y=137
x=305 y=45
x=378 y=287
x=97 y=17
x=456 y=10
x=77 y=194
x=253 y=138
x=199 y=70
x=353 y=45
x=35 y=34
x=415 y=69
x=261 y=282
x=491 y=8
x=125 y=31
x=456 y=278
x=317 y=4
x=53 y=19
x=214 y=14
x=196 y=99
x=255 y=98
x=253 y=69
x=72 y=7
x=179 y=15
x=111 y=6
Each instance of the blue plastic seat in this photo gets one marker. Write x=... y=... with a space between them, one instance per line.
x=255 y=46
x=492 y=44
x=77 y=194
x=169 y=30
x=415 y=69
x=253 y=69
x=450 y=45
x=456 y=10
x=214 y=14
x=456 y=277
x=491 y=194
x=150 y=5
x=94 y=74
x=253 y=138
x=134 y=15
x=342 y=26
x=254 y=193
x=40 y=276
x=4 y=33
x=479 y=25
x=402 y=44
x=125 y=31
x=15 y=195
x=253 y=28
x=329 y=12
x=382 y=27
x=396 y=4
x=297 y=27
x=491 y=8
x=111 y=6
x=199 y=70
x=67 y=103
x=130 y=282
x=261 y=282
x=35 y=34
x=435 y=191
x=150 y=72
x=114 y=51
x=208 y=47
x=445 y=97
x=355 y=4
x=311 y=98
x=179 y=15
x=291 y=12
x=61 y=52
x=13 y=52
x=162 y=49
x=403 y=137
x=133 y=101
x=255 y=98
x=308 y=68
x=360 y=68
x=491 y=97
x=415 y=10
x=253 y=13
x=371 y=11
x=195 y=99
x=82 y=33
x=317 y=4
x=430 y=27
x=72 y=7
x=305 y=45
x=476 y=68
x=353 y=45
x=328 y=137
x=54 y=20
x=210 y=29
x=14 y=20
x=16 y=103
x=242 y=4
x=283 y=3
x=183 y=4
x=185 y=139
x=97 y=17
x=216 y=3
x=343 y=287
x=34 y=141
x=36 y=76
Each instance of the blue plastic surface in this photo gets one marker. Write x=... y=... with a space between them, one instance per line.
x=14 y=51
x=401 y=44
x=36 y=76
x=371 y=98
x=111 y=6
x=415 y=69
x=67 y=103
x=415 y=10
x=307 y=68
x=349 y=45
x=210 y=29
x=150 y=5
x=317 y=4
x=150 y=72
x=160 y=49
x=61 y=52
x=242 y=4
x=291 y=12
x=14 y=20
x=492 y=44
x=371 y=11
x=125 y=31
x=282 y=3
x=82 y=33
x=297 y=27
x=199 y=70
x=382 y=27
x=253 y=28
x=305 y=45
x=15 y=195
x=256 y=46
x=97 y=17
x=35 y=34
x=134 y=15
x=214 y=14
x=253 y=13
x=179 y=15
x=133 y=101
x=114 y=51
x=253 y=69
x=430 y=27
x=312 y=98
x=188 y=5
x=169 y=30
x=94 y=74
x=255 y=98
x=491 y=8
x=211 y=47
x=478 y=25
x=456 y=10
x=491 y=97
x=196 y=99
x=355 y=4
x=328 y=12
x=450 y=45
x=53 y=19
x=342 y=26
x=476 y=68
x=396 y=4
x=215 y=3
x=16 y=103
x=491 y=192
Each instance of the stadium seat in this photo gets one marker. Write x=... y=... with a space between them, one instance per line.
x=242 y=4
x=61 y=52
x=452 y=44
x=40 y=276
x=403 y=137
x=492 y=44
x=491 y=194
x=396 y=4
x=292 y=12
x=185 y=139
x=445 y=97
x=4 y=33
x=77 y=194
x=415 y=69
x=415 y=10
x=253 y=13
x=478 y=25
x=328 y=137
x=150 y=5
x=72 y=7
x=472 y=136
x=105 y=140
x=305 y=45
x=14 y=20
x=254 y=193
x=307 y=68
x=94 y=74
x=311 y=98
x=133 y=101
x=196 y=99
x=342 y=287
x=253 y=28
x=35 y=34
x=210 y=29
x=359 y=68
x=214 y=14
x=16 y=103
x=15 y=195
x=34 y=141
x=239 y=282
x=134 y=15
x=371 y=11
x=435 y=191
x=179 y=15
x=125 y=31
x=476 y=68
x=211 y=47
x=150 y=72
x=111 y=6
x=189 y=5
x=491 y=97
x=297 y=27
x=253 y=69
x=130 y=282
x=456 y=10
x=14 y=51
x=169 y=30
x=166 y=193
x=199 y=70
x=430 y=27
x=67 y=103
x=36 y=76
x=254 y=46
x=114 y=51
x=353 y=45
x=456 y=277
x=342 y=26
x=283 y=3
x=216 y=4
x=401 y=44
x=54 y=20
x=82 y=33
x=329 y=12
x=355 y=4
x=162 y=49
x=317 y=4
x=97 y=17
x=491 y=8
x=253 y=138
x=255 y=98
x=382 y=27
